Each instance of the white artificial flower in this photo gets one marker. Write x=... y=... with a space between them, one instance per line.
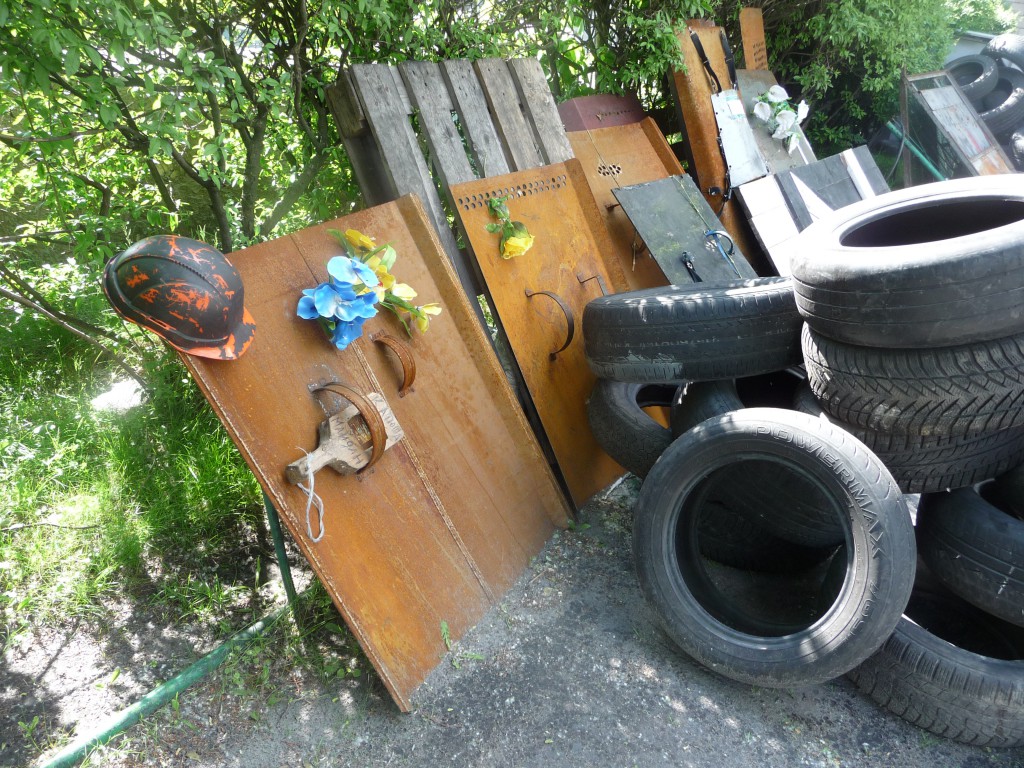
x=801 y=111
x=777 y=93
x=763 y=111
x=786 y=120
x=792 y=141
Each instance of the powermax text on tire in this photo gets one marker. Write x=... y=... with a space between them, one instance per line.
x=701 y=619
x=975 y=549
x=693 y=333
x=930 y=266
x=965 y=390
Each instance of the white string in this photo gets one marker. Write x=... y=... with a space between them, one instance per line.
x=313 y=498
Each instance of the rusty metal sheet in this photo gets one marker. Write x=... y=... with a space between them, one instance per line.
x=692 y=90
x=540 y=297
x=618 y=157
x=600 y=110
x=677 y=224
x=451 y=513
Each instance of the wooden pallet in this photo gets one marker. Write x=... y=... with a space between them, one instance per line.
x=475 y=119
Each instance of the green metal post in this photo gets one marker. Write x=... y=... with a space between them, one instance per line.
x=282 y=557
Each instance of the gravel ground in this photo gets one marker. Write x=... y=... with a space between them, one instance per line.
x=571 y=669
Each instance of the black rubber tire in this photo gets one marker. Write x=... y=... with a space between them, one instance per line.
x=930 y=266
x=924 y=674
x=1015 y=148
x=1006 y=491
x=1004 y=111
x=975 y=549
x=954 y=391
x=1008 y=46
x=693 y=333
x=976 y=75
x=729 y=538
x=927 y=463
x=622 y=428
x=698 y=401
x=702 y=621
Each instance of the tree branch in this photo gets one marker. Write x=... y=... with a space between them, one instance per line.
x=113 y=356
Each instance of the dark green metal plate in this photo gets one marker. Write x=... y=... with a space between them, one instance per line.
x=673 y=219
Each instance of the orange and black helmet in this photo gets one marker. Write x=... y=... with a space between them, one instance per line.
x=184 y=291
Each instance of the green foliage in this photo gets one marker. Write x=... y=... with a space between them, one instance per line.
x=845 y=58
x=989 y=16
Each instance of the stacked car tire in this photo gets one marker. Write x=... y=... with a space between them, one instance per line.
x=993 y=81
x=907 y=313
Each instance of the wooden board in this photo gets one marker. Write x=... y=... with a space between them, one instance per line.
x=692 y=90
x=672 y=218
x=557 y=207
x=617 y=157
x=449 y=517
x=783 y=205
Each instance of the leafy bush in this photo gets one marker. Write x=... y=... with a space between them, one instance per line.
x=846 y=56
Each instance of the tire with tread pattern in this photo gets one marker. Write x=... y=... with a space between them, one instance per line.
x=702 y=620
x=975 y=549
x=976 y=75
x=928 y=463
x=623 y=429
x=934 y=265
x=923 y=674
x=699 y=332
x=1004 y=104
x=956 y=391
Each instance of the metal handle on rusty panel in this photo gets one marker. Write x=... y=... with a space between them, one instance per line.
x=370 y=414
x=404 y=355
x=569 y=321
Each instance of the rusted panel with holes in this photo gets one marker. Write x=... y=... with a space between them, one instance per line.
x=600 y=110
x=449 y=516
x=540 y=297
x=618 y=157
x=692 y=89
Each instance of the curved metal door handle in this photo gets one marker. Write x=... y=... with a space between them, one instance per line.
x=404 y=355
x=370 y=414
x=569 y=321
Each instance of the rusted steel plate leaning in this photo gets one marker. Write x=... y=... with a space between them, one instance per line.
x=449 y=515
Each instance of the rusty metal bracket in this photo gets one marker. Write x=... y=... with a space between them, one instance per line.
x=570 y=322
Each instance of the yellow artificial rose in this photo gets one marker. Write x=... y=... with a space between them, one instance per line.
x=516 y=245
x=358 y=240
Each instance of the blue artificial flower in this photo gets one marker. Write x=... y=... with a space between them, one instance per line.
x=350 y=271
x=330 y=299
x=346 y=332
x=307 y=306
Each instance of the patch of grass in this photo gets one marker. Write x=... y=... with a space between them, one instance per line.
x=155 y=501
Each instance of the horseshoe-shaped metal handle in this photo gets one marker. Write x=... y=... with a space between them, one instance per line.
x=370 y=414
x=569 y=321
x=718 y=233
x=404 y=355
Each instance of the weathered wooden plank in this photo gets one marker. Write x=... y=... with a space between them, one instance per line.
x=541 y=112
x=386 y=106
x=435 y=109
x=507 y=112
x=362 y=149
x=471 y=105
